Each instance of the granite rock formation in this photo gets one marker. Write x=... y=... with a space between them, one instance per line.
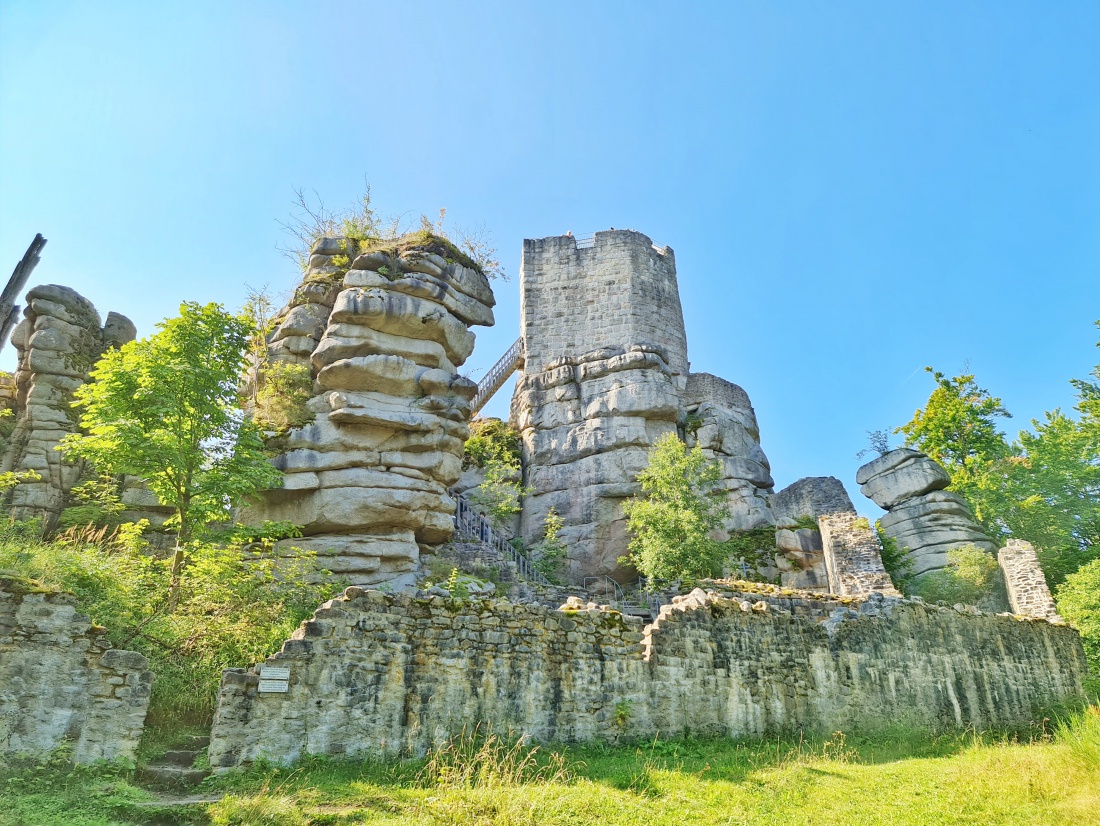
x=367 y=479
x=58 y=341
x=800 y=555
x=922 y=517
x=605 y=375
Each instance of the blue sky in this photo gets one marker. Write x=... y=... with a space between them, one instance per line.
x=853 y=189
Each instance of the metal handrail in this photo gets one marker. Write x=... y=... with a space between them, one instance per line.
x=499 y=373
x=471 y=524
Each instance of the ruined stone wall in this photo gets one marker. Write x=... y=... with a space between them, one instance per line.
x=58 y=342
x=800 y=552
x=62 y=683
x=378 y=674
x=367 y=479
x=1027 y=589
x=853 y=556
x=620 y=291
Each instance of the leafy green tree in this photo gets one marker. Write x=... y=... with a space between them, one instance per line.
x=549 y=553
x=671 y=525
x=1079 y=602
x=165 y=408
x=958 y=429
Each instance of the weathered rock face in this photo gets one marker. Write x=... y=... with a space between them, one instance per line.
x=922 y=517
x=801 y=552
x=60 y=681
x=710 y=664
x=719 y=417
x=58 y=341
x=605 y=376
x=368 y=477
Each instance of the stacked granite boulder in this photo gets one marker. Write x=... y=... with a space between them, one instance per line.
x=367 y=479
x=58 y=341
x=720 y=418
x=924 y=518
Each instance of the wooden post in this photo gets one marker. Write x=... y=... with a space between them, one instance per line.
x=8 y=311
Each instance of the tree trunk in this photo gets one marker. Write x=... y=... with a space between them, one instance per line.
x=178 y=557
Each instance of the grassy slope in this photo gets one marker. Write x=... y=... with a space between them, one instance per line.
x=899 y=779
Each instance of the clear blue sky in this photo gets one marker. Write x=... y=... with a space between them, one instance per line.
x=853 y=189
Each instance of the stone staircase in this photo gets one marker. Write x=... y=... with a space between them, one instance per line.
x=471 y=525
x=499 y=373
x=175 y=770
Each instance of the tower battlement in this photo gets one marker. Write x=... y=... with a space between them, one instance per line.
x=578 y=296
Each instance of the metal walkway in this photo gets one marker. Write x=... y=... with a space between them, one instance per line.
x=497 y=375
x=472 y=525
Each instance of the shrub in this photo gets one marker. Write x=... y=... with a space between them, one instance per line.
x=549 y=553
x=282 y=401
x=491 y=440
x=671 y=525
x=968 y=578
x=234 y=607
x=895 y=560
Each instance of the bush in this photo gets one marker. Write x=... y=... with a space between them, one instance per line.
x=233 y=609
x=968 y=578
x=896 y=561
x=491 y=440
x=1079 y=602
x=281 y=403
x=671 y=526
x=548 y=555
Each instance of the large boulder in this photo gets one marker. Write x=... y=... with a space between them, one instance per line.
x=900 y=475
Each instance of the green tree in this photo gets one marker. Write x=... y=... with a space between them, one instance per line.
x=165 y=408
x=1079 y=603
x=671 y=525
x=958 y=429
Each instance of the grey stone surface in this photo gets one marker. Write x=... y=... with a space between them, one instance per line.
x=925 y=520
x=605 y=376
x=373 y=674
x=900 y=475
x=367 y=479
x=853 y=556
x=1028 y=592
x=62 y=683
x=57 y=343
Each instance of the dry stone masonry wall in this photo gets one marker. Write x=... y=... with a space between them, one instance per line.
x=62 y=683
x=922 y=517
x=1028 y=592
x=367 y=479
x=58 y=341
x=853 y=556
x=378 y=674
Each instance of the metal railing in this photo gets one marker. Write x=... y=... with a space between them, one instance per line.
x=611 y=592
x=472 y=525
x=499 y=373
x=586 y=241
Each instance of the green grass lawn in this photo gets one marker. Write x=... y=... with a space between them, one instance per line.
x=1052 y=777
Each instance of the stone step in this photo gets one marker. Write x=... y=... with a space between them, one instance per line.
x=195 y=741
x=166 y=775
x=179 y=757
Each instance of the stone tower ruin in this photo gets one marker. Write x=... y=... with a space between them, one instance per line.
x=605 y=375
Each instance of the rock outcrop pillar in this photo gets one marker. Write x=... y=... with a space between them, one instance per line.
x=367 y=479
x=922 y=517
x=58 y=342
